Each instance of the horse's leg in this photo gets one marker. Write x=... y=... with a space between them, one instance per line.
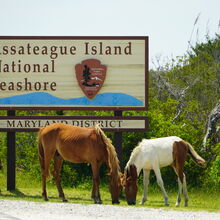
x=182 y=184
x=146 y=181
x=160 y=183
x=58 y=160
x=45 y=164
x=44 y=178
x=179 y=154
x=96 y=181
x=178 y=200
x=185 y=193
x=180 y=189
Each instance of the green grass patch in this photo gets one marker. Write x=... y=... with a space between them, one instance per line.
x=200 y=199
x=29 y=188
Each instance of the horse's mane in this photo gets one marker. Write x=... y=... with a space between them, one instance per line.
x=133 y=156
x=113 y=161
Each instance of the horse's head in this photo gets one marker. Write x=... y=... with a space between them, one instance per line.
x=115 y=187
x=129 y=182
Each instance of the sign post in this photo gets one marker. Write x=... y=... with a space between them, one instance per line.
x=118 y=140
x=11 y=156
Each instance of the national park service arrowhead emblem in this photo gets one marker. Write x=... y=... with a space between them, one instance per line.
x=90 y=75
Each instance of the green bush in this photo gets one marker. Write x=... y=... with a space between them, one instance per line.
x=215 y=170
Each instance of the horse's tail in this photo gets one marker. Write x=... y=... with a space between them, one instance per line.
x=113 y=161
x=195 y=156
x=41 y=152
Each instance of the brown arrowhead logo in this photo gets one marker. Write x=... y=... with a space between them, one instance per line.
x=90 y=75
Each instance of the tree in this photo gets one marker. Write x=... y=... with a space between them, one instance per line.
x=213 y=127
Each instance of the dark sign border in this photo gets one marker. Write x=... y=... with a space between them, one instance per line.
x=115 y=108
x=75 y=118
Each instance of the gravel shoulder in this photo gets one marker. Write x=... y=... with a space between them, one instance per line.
x=25 y=210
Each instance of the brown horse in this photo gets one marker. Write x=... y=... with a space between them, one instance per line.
x=153 y=154
x=78 y=145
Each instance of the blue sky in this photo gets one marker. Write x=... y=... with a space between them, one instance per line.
x=168 y=23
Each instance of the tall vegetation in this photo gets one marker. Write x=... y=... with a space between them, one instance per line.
x=181 y=95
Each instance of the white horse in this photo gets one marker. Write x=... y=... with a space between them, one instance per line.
x=153 y=154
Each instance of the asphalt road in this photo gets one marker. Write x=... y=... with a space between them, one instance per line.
x=24 y=210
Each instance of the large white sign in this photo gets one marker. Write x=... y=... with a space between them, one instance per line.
x=73 y=72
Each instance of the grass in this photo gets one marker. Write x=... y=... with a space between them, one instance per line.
x=30 y=189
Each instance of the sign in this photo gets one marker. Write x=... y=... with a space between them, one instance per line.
x=107 y=123
x=108 y=73
x=90 y=76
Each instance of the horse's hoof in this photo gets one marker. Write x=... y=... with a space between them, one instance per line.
x=167 y=204
x=142 y=201
x=98 y=201
x=115 y=202
x=44 y=196
x=65 y=200
x=131 y=202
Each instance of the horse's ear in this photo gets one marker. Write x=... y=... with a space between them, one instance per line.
x=133 y=171
x=122 y=179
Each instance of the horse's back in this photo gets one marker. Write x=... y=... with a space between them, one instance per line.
x=66 y=131
x=159 y=150
x=76 y=144
x=75 y=133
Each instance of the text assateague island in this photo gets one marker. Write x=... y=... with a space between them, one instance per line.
x=73 y=72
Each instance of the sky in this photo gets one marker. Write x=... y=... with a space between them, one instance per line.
x=170 y=24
